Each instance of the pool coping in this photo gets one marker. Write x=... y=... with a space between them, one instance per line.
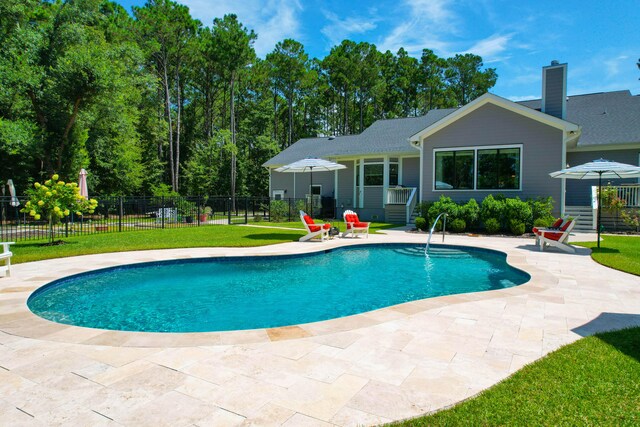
x=22 y=322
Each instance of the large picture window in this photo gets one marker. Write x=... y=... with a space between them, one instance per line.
x=499 y=169
x=373 y=174
x=481 y=168
x=454 y=170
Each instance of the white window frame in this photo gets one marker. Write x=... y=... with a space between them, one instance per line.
x=475 y=149
x=277 y=193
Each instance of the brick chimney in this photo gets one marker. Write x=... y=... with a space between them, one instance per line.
x=554 y=89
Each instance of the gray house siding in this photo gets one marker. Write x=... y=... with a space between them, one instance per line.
x=411 y=171
x=344 y=199
x=491 y=125
x=285 y=181
x=579 y=191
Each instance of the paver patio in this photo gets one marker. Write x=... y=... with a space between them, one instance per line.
x=370 y=368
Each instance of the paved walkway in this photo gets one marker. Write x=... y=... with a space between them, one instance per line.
x=367 y=369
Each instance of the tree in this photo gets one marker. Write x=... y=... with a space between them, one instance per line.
x=288 y=63
x=431 y=85
x=466 y=79
x=234 y=45
x=165 y=29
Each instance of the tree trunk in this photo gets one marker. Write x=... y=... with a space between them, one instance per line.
x=290 y=133
x=167 y=101
x=179 y=115
x=233 y=141
x=67 y=129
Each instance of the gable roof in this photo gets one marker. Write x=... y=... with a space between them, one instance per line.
x=489 y=98
x=606 y=118
x=382 y=137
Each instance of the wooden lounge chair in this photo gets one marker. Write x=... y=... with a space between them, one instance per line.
x=313 y=230
x=558 y=238
x=354 y=225
x=5 y=256
x=554 y=227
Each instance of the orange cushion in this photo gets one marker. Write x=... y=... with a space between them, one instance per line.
x=308 y=220
x=351 y=218
x=326 y=226
x=360 y=225
x=564 y=227
x=552 y=236
x=314 y=228
x=557 y=223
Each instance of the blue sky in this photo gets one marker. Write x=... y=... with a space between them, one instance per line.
x=599 y=40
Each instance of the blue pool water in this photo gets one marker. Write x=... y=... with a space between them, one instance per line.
x=221 y=294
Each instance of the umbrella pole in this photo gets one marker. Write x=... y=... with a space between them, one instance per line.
x=311 y=190
x=599 y=205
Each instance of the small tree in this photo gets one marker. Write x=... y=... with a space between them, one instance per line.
x=55 y=200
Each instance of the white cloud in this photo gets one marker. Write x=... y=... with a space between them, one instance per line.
x=491 y=47
x=273 y=20
x=522 y=98
x=339 y=29
x=612 y=66
x=429 y=19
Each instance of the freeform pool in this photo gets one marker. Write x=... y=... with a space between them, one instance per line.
x=233 y=293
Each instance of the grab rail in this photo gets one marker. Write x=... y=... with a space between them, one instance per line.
x=433 y=227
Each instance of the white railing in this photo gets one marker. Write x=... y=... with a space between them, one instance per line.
x=629 y=193
x=411 y=203
x=399 y=195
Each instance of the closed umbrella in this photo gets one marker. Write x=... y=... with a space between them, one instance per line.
x=12 y=191
x=599 y=169
x=82 y=184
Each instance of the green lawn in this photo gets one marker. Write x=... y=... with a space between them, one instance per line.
x=595 y=381
x=186 y=237
x=210 y=235
x=619 y=252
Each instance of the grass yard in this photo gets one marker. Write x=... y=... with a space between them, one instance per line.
x=619 y=252
x=187 y=237
x=210 y=235
x=594 y=381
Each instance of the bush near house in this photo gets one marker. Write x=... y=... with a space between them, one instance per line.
x=495 y=213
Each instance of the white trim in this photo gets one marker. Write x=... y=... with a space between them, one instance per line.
x=270 y=180
x=361 y=186
x=400 y=168
x=277 y=192
x=294 y=185
x=335 y=186
x=475 y=149
x=421 y=183
x=385 y=178
x=604 y=147
x=489 y=98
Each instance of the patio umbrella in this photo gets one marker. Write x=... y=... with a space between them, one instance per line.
x=82 y=183
x=599 y=169
x=12 y=191
x=309 y=165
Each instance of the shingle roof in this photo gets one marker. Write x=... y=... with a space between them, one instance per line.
x=382 y=137
x=606 y=118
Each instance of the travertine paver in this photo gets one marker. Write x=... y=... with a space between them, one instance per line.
x=366 y=369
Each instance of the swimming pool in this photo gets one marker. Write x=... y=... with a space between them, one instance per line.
x=234 y=293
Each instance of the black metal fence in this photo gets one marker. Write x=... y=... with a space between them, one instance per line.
x=119 y=214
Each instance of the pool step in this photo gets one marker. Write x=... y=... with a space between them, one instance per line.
x=435 y=252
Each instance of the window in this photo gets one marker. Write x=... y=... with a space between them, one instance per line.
x=499 y=169
x=393 y=174
x=278 y=194
x=486 y=168
x=373 y=174
x=316 y=190
x=454 y=170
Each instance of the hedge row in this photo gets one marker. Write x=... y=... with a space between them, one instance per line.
x=495 y=214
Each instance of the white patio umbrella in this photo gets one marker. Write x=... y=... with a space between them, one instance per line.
x=12 y=191
x=599 y=169
x=309 y=165
x=82 y=183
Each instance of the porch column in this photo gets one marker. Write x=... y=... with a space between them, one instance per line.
x=385 y=180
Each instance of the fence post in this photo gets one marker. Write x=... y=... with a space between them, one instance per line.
x=199 y=198
x=246 y=210
x=162 y=212
x=229 y=210
x=66 y=228
x=120 y=216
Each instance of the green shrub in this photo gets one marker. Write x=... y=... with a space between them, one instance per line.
x=421 y=223
x=470 y=212
x=492 y=208
x=301 y=205
x=542 y=207
x=278 y=210
x=423 y=209
x=446 y=205
x=543 y=222
x=516 y=209
x=492 y=225
x=516 y=227
x=458 y=225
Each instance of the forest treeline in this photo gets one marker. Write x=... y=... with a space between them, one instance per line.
x=154 y=101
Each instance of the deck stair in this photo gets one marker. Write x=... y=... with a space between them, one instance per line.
x=584 y=215
x=434 y=252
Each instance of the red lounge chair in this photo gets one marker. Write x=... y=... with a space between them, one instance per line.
x=313 y=229
x=354 y=225
x=558 y=238
x=554 y=227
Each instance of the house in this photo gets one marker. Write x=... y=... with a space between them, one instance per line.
x=491 y=145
